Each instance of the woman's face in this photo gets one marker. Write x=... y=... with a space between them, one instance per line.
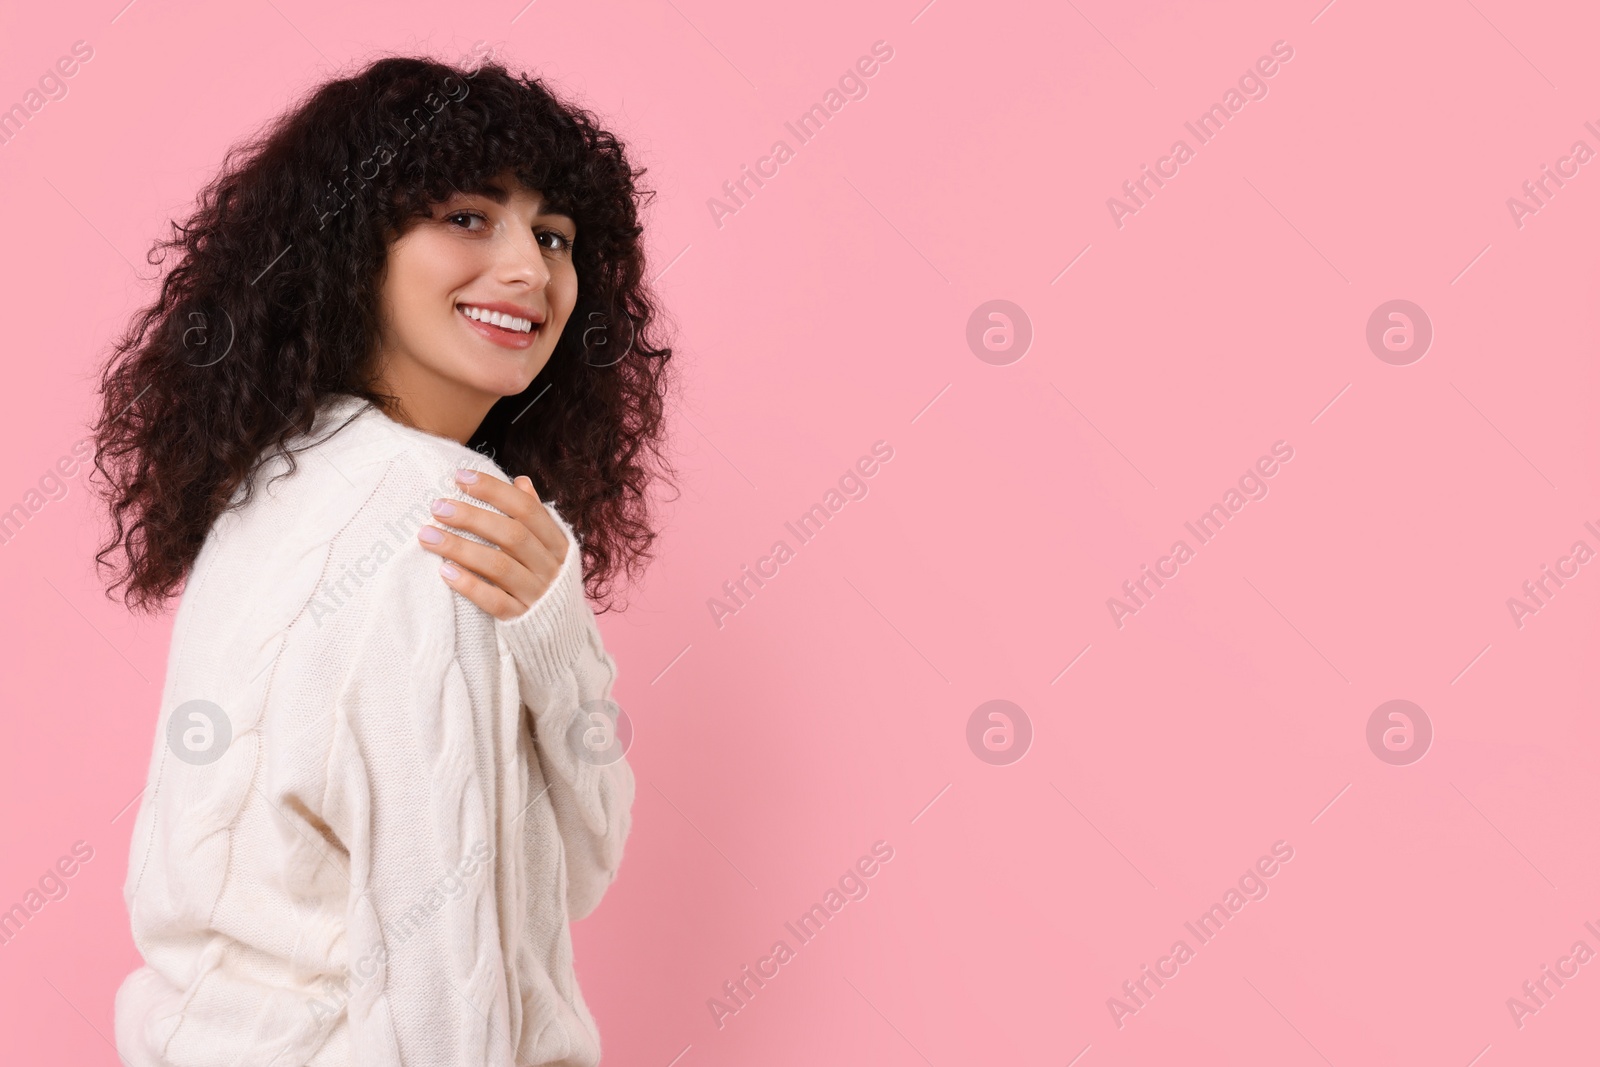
x=446 y=352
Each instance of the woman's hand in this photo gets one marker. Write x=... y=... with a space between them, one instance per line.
x=525 y=547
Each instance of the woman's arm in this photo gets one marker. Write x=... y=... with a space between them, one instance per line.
x=426 y=971
x=565 y=676
x=527 y=572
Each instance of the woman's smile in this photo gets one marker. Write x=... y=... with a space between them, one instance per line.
x=502 y=324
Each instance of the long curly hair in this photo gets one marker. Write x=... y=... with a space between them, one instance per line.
x=273 y=305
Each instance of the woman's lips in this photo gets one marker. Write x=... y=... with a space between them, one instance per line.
x=502 y=337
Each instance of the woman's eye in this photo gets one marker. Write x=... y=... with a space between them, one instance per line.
x=463 y=215
x=562 y=243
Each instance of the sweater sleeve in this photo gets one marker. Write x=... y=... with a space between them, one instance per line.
x=426 y=974
x=565 y=677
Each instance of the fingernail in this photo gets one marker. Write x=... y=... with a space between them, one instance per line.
x=443 y=507
x=467 y=476
x=448 y=569
x=430 y=535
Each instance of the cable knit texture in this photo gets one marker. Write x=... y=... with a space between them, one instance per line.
x=370 y=812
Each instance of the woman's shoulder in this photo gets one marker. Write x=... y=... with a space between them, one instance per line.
x=338 y=529
x=354 y=462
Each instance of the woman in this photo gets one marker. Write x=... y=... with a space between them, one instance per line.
x=387 y=770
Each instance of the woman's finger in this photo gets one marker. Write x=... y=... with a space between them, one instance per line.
x=487 y=561
x=519 y=504
x=510 y=535
x=495 y=601
x=490 y=564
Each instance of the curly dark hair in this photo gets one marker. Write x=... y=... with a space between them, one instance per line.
x=281 y=267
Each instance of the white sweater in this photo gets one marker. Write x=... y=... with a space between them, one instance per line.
x=366 y=848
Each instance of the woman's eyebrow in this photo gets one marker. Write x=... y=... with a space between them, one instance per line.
x=499 y=194
x=548 y=208
x=491 y=190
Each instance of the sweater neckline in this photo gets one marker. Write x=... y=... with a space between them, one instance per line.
x=343 y=405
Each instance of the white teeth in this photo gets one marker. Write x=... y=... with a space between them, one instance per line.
x=495 y=318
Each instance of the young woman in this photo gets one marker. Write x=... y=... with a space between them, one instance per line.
x=387 y=771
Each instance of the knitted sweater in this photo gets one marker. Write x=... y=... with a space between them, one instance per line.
x=372 y=807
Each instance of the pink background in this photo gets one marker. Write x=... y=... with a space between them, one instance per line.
x=831 y=312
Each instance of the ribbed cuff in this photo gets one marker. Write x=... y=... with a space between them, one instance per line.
x=546 y=639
